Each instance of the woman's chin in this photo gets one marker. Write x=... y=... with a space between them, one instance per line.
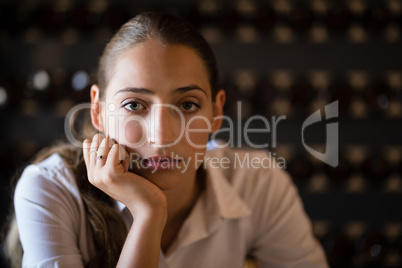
x=164 y=179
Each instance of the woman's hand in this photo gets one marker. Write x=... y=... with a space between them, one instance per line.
x=107 y=166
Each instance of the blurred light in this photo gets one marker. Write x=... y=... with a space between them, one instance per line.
x=282 y=6
x=383 y=101
x=3 y=96
x=41 y=80
x=319 y=6
x=208 y=7
x=246 y=7
x=98 y=6
x=375 y=250
x=283 y=34
x=247 y=34
x=63 y=5
x=357 y=34
x=395 y=6
x=212 y=34
x=70 y=36
x=80 y=80
x=319 y=79
x=319 y=33
x=32 y=35
x=358 y=79
x=246 y=82
x=357 y=6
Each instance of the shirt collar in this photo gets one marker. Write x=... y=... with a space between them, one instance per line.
x=226 y=198
x=218 y=202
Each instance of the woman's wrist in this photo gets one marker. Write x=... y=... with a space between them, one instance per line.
x=155 y=216
x=143 y=243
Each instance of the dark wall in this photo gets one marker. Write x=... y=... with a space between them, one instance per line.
x=279 y=58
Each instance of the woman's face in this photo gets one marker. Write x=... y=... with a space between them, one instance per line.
x=158 y=104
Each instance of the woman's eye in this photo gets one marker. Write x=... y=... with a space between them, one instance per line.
x=134 y=106
x=189 y=106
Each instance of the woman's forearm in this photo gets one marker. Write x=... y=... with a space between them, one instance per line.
x=143 y=242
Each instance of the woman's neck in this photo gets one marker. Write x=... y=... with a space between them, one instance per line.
x=181 y=200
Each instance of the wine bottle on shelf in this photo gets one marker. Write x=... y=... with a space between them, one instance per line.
x=300 y=18
x=15 y=18
x=357 y=34
x=195 y=17
x=344 y=95
x=246 y=9
x=52 y=20
x=318 y=33
x=81 y=19
x=372 y=247
x=116 y=16
x=339 y=249
x=375 y=169
x=301 y=168
x=228 y=19
x=263 y=97
x=301 y=95
x=376 y=18
x=245 y=81
x=338 y=18
x=264 y=19
x=321 y=229
x=340 y=174
x=378 y=96
x=357 y=7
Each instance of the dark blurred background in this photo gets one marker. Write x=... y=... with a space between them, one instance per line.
x=278 y=58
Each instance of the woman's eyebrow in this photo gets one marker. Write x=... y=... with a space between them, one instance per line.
x=182 y=90
x=141 y=90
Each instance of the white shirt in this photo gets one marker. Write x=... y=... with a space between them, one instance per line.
x=244 y=211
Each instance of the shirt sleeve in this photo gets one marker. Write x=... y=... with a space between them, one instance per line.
x=48 y=220
x=284 y=237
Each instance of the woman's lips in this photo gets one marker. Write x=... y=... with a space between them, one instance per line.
x=160 y=162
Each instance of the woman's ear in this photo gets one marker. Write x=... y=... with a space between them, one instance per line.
x=96 y=109
x=220 y=99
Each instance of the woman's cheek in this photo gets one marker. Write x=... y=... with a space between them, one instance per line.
x=130 y=132
x=198 y=132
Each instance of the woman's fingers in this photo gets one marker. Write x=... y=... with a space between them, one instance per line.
x=124 y=158
x=118 y=156
x=94 y=149
x=103 y=152
x=126 y=161
x=86 y=147
x=103 y=157
x=114 y=155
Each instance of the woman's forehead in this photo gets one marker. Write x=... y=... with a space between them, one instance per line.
x=155 y=66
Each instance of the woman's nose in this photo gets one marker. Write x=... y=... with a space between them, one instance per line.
x=166 y=125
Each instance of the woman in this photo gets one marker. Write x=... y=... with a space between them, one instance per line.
x=144 y=191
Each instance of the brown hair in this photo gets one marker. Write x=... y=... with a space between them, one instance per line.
x=108 y=229
x=160 y=27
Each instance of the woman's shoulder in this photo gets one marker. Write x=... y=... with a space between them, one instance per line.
x=50 y=173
